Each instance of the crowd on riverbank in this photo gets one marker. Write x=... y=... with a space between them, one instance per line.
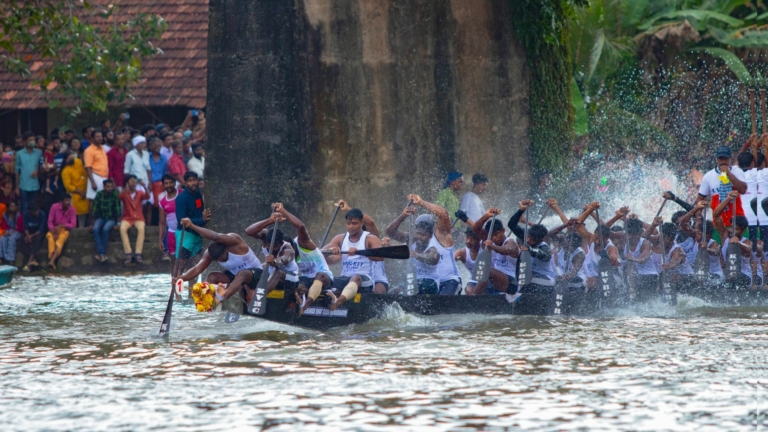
x=107 y=178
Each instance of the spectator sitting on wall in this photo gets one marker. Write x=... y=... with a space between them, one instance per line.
x=132 y=198
x=61 y=220
x=12 y=225
x=106 y=214
x=35 y=223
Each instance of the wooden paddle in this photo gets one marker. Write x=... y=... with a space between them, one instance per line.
x=733 y=251
x=543 y=215
x=165 y=327
x=328 y=230
x=604 y=266
x=258 y=304
x=666 y=285
x=411 y=285
x=524 y=260
x=400 y=252
x=482 y=269
x=701 y=262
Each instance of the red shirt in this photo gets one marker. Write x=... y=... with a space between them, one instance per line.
x=116 y=161
x=176 y=166
x=132 y=205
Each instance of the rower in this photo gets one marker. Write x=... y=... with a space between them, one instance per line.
x=241 y=266
x=504 y=253
x=315 y=275
x=575 y=271
x=594 y=246
x=675 y=263
x=638 y=250
x=380 y=279
x=283 y=269
x=744 y=280
x=468 y=255
x=542 y=265
x=356 y=270
x=432 y=249
x=716 y=275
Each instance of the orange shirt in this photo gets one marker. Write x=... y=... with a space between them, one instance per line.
x=96 y=160
x=132 y=205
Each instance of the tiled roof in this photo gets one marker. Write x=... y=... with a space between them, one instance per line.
x=178 y=77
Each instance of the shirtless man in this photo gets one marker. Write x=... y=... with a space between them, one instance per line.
x=356 y=270
x=432 y=249
x=283 y=269
x=241 y=266
x=315 y=273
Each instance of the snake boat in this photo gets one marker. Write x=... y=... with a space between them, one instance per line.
x=282 y=308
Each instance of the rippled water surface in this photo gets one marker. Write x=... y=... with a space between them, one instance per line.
x=82 y=353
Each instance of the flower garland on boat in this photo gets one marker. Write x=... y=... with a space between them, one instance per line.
x=203 y=294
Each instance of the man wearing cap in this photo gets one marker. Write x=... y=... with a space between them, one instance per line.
x=721 y=180
x=137 y=165
x=448 y=198
x=471 y=203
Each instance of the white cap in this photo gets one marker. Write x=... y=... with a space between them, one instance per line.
x=138 y=139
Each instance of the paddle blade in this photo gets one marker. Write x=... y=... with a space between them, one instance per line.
x=701 y=265
x=391 y=252
x=666 y=290
x=258 y=303
x=524 y=268
x=411 y=288
x=165 y=327
x=605 y=277
x=482 y=268
x=732 y=261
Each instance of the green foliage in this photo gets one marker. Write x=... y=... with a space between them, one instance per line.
x=86 y=65
x=542 y=27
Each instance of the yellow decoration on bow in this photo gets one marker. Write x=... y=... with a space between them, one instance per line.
x=203 y=294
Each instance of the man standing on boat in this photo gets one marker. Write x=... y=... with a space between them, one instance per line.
x=432 y=249
x=241 y=266
x=356 y=270
x=448 y=198
x=719 y=181
x=471 y=203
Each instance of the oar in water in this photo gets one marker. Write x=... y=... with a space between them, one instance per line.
x=411 y=287
x=604 y=266
x=165 y=327
x=258 y=304
x=400 y=252
x=701 y=263
x=524 y=260
x=482 y=269
x=328 y=230
x=733 y=251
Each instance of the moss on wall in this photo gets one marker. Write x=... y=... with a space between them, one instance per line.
x=542 y=27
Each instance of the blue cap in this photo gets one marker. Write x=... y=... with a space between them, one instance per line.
x=723 y=151
x=159 y=127
x=187 y=133
x=451 y=177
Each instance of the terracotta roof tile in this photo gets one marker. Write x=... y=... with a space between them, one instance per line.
x=178 y=77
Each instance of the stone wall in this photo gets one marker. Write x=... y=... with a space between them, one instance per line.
x=79 y=251
x=310 y=101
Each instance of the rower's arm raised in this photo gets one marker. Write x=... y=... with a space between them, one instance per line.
x=225 y=239
x=256 y=230
x=393 y=230
x=301 y=231
x=443 y=225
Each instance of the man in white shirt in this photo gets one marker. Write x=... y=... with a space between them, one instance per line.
x=721 y=180
x=471 y=203
x=137 y=161
x=197 y=162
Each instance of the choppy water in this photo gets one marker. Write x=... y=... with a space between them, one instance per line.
x=82 y=353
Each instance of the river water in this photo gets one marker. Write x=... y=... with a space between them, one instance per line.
x=83 y=353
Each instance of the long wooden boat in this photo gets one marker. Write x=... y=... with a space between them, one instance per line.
x=281 y=305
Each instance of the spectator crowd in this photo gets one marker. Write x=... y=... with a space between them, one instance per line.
x=108 y=178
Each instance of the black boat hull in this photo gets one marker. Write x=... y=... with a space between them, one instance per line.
x=281 y=305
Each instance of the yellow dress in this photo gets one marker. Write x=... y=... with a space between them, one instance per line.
x=74 y=178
